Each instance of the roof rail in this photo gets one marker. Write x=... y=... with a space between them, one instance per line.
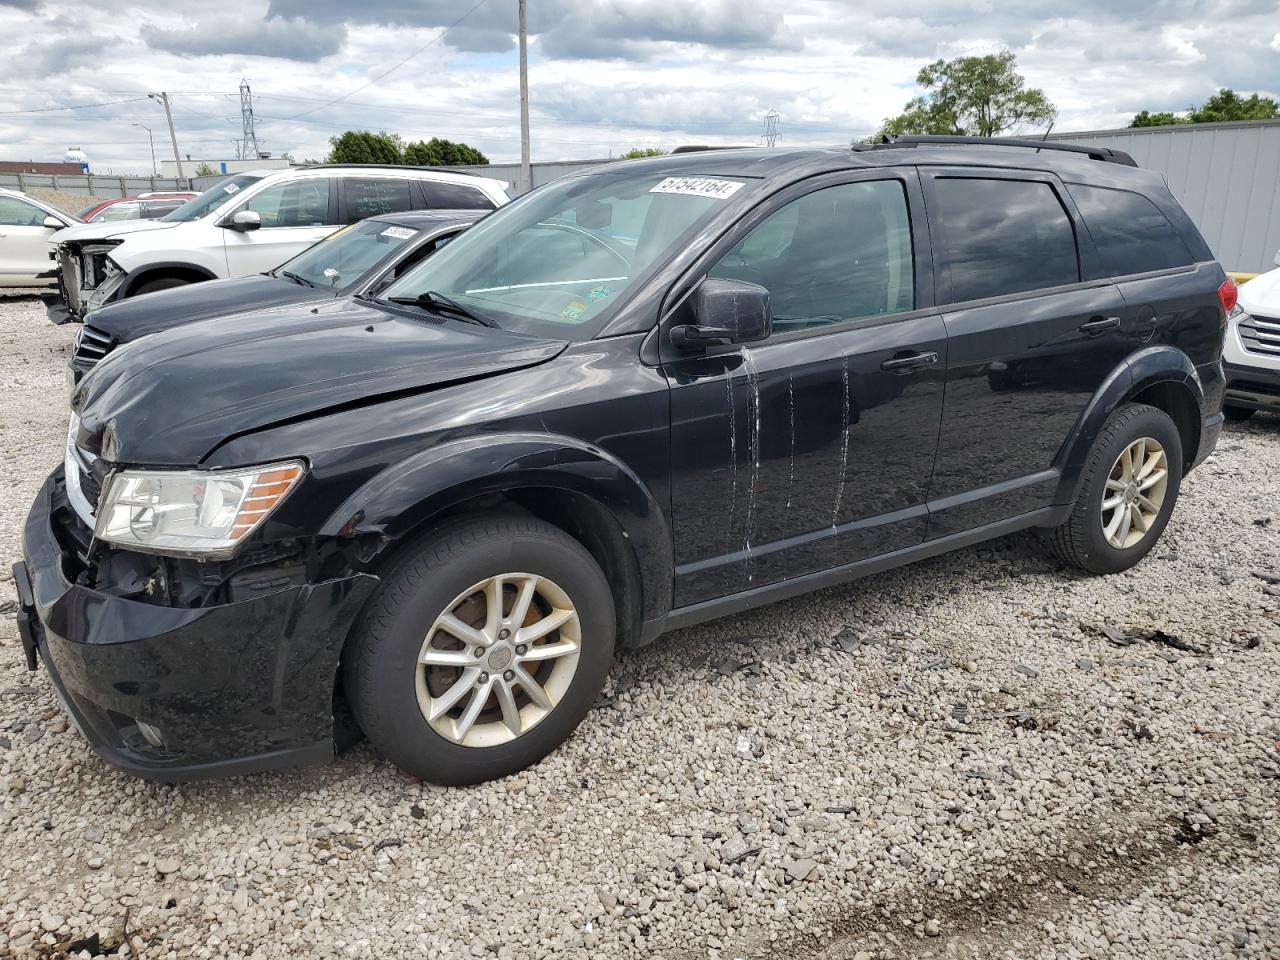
x=389 y=166
x=1105 y=154
x=700 y=148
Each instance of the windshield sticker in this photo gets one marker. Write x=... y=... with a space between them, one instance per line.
x=574 y=310
x=230 y=188
x=398 y=233
x=599 y=293
x=699 y=187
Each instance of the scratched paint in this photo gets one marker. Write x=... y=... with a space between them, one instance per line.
x=791 y=415
x=844 y=442
x=753 y=398
x=733 y=445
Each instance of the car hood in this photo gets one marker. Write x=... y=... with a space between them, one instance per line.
x=108 y=231
x=1261 y=295
x=136 y=317
x=171 y=398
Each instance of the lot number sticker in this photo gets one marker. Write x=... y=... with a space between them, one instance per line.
x=398 y=233
x=699 y=187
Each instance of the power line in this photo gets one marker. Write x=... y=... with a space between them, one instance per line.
x=432 y=42
x=78 y=106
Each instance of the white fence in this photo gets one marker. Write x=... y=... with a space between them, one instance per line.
x=93 y=185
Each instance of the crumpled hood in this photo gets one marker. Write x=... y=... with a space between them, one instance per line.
x=108 y=231
x=1262 y=294
x=171 y=398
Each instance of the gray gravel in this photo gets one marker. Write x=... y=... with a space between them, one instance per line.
x=951 y=760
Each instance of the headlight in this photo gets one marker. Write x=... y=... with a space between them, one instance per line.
x=192 y=513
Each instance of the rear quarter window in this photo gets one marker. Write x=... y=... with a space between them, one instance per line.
x=455 y=196
x=1000 y=237
x=1130 y=232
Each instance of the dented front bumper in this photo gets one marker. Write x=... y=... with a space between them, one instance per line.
x=179 y=693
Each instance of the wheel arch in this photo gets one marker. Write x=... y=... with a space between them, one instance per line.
x=577 y=487
x=191 y=272
x=1163 y=377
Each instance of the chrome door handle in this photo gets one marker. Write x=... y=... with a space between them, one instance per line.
x=1099 y=325
x=909 y=362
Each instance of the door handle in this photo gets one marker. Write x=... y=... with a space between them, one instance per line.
x=1099 y=325
x=909 y=362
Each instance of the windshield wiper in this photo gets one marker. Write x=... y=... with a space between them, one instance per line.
x=296 y=278
x=431 y=300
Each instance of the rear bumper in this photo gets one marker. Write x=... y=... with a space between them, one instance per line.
x=230 y=689
x=1254 y=388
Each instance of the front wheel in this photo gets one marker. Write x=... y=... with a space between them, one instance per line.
x=163 y=283
x=483 y=649
x=1131 y=482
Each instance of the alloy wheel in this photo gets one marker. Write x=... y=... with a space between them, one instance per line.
x=1134 y=493
x=498 y=660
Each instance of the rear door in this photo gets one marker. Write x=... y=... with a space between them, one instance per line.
x=811 y=449
x=295 y=214
x=1033 y=331
x=373 y=196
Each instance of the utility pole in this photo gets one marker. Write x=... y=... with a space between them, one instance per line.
x=155 y=171
x=168 y=115
x=526 y=173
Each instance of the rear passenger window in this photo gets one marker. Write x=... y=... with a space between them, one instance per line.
x=373 y=197
x=454 y=196
x=832 y=255
x=1003 y=236
x=1130 y=232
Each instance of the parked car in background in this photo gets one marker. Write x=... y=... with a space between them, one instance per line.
x=27 y=228
x=629 y=401
x=145 y=206
x=1251 y=355
x=361 y=258
x=245 y=224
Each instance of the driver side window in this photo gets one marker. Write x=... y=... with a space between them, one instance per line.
x=840 y=253
x=300 y=203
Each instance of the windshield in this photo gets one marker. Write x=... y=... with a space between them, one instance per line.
x=557 y=262
x=342 y=257
x=211 y=199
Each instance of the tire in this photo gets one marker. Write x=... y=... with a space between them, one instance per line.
x=391 y=693
x=1238 y=414
x=161 y=283
x=1081 y=541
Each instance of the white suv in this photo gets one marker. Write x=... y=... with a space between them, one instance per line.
x=246 y=224
x=27 y=229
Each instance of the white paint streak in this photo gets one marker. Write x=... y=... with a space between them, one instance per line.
x=844 y=443
x=791 y=404
x=733 y=444
x=753 y=383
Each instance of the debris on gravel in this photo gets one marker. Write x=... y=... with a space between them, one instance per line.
x=981 y=755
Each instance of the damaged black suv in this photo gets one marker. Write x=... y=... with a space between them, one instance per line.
x=630 y=401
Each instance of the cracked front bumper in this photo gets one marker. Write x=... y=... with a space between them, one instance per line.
x=170 y=693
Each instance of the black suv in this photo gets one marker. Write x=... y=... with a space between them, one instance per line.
x=632 y=400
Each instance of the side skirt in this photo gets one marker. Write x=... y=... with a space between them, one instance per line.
x=784 y=590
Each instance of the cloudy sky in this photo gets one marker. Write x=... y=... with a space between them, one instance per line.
x=605 y=75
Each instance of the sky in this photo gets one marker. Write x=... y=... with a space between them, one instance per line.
x=604 y=75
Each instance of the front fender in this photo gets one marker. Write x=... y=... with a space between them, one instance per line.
x=403 y=497
x=1144 y=369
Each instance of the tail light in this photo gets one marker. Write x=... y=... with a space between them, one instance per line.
x=1227 y=294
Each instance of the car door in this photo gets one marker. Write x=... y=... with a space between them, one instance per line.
x=811 y=449
x=295 y=214
x=24 y=243
x=1033 y=331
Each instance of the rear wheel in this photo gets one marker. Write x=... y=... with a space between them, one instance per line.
x=1131 y=482
x=1238 y=413
x=482 y=651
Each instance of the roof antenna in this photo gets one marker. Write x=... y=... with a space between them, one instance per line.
x=1045 y=138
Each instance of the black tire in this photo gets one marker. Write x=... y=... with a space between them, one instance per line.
x=380 y=661
x=160 y=283
x=1237 y=414
x=1080 y=541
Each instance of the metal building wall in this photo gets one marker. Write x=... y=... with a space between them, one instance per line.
x=1226 y=176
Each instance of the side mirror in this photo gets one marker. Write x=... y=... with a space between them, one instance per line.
x=726 y=311
x=243 y=221
x=52 y=223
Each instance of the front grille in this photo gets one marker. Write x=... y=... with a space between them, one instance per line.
x=92 y=345
x=1260 y=335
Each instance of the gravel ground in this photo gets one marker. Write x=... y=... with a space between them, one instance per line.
x=950 y=760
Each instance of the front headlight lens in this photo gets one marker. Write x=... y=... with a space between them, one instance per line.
x=192 y=512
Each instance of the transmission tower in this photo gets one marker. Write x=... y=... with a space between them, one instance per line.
x=770 y=135
x=249 y=138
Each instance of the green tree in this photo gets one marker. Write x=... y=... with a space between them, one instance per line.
x=204 y=170
x=1162 y=119
x=1222 y=106
x=361 y=146
x=971 y=96
x=438 y=152
x=636 y=153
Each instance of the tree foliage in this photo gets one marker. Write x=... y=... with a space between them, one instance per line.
x=1224 y=105
x=361 y=146
x=637 y=153
x=971 y=96
x=204 y=170
x=438 y=152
